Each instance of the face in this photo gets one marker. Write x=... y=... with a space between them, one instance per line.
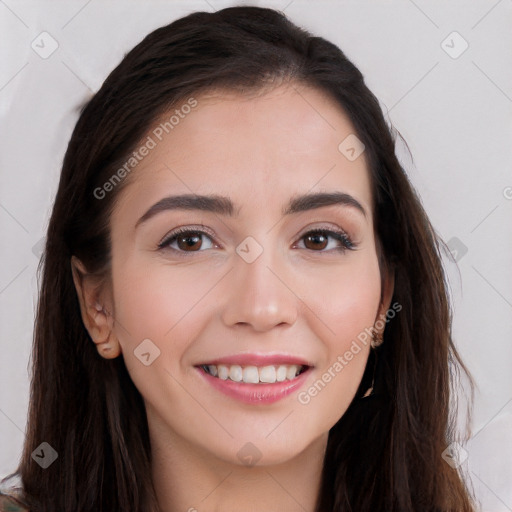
x=245 y=324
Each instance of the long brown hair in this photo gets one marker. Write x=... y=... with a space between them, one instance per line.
x=385 y=453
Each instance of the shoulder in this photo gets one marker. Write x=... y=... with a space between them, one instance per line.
x=9 y=503
x=11 y=495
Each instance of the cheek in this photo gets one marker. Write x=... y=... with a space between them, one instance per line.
x=153 y=301
x=163 y=305
x=346 y=305
x=345 y=297
x=153 y=304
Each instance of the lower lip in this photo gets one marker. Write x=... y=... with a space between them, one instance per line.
x=256 y=393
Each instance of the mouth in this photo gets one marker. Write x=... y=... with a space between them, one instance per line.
x=255 y=378
x=251 y=374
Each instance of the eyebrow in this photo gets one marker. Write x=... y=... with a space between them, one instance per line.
x=223 y=205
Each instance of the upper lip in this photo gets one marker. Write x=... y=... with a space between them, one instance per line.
x=258 y=359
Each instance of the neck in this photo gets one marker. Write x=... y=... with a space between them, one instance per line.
x=189 y=479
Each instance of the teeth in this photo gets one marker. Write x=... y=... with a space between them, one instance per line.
x=251 y=375
x=254 y=374
x=281 y=373
x=290 y=372
x=222 y=372
x=268 y=374
x=235 y=373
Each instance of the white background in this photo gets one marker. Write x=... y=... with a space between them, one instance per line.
x=455 y=114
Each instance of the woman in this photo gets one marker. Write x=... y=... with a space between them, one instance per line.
x=243 y=305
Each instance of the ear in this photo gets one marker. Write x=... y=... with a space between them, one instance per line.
x=387 y=289
x=95 y=307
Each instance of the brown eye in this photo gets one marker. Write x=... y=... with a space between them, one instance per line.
x=319 y=239
x=315 y=241
x=189 y=242
x=186 y=240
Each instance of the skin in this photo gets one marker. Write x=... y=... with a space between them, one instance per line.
x=306 y=300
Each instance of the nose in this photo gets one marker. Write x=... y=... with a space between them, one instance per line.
x=258 y=295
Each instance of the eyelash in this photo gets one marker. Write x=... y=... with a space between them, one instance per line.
x=340 y=236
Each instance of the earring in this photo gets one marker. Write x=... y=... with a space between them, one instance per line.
x=369 y=391
x=376 y=341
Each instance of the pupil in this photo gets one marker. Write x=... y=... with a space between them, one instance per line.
x=188 y=240
x=317 y=239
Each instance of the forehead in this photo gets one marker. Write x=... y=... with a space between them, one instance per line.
x=257 y=149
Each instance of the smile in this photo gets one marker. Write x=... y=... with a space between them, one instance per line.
x=258 y=379
x=255 y=374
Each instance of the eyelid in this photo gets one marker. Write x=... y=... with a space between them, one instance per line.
x=324 y=227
